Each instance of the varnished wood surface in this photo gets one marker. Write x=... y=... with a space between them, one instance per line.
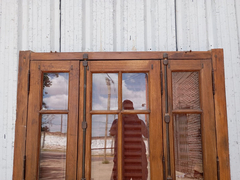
x=208 y=127
x=34 y=120
x=89 y=125
x=187 y=111
x=174 y=66
x=34 y=126
x=155 y=123
x=137 y=55
x=118 y=111
x=120 y=148
x=186 y=61
x=221 y=114
x=123 y=66
x=72 y=131
x=21 y=119
x=53 y=111
x=80 y=131
x=207 y=115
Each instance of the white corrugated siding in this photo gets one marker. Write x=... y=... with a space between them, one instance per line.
x=126 y=25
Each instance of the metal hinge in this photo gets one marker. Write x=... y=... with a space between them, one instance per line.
x=24 y=166
x=164 y=167
x=84 y=125
x=167 y=118
x=85 y=63
x=218 y=169
x=213 y=82
x=28 y=85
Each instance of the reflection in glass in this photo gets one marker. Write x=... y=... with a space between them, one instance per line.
x=135 y=145
x=104 y=91
x=53 y=146
x=102 y=147
x=188 y=147
x=135 y=88
x=55 y=91
x=185 y=87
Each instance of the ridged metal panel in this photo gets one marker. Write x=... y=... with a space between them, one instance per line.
x=8 y=83
x=126 y=25
x=105 y=25
x=203 y=25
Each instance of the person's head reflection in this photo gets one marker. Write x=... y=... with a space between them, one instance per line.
x=134 y=156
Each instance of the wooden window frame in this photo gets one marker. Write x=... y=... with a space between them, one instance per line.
x=216 y=56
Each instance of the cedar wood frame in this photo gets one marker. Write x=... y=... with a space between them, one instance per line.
x=216 y=56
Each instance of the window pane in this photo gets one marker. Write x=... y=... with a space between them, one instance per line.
x=53 y=146
x=185 y=90
x=55 y=91
x=103 y=146
x=135 y=88
x=188 y=147
x=104 y=91
x=135 y=147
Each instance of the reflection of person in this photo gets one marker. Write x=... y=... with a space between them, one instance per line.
x=134 y=149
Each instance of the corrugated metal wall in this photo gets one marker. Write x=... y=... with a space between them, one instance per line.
x=107 y=25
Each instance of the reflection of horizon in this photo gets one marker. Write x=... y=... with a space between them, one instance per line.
x=99 y=124
x=53 y=122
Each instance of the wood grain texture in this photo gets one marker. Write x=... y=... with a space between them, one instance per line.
x=33 y=130
x=221 y=114
x=187 y=111
x=173 y=66
x=155 y=122
x=80 y=130
x=120 y=148
x=72 y=131
x=124 y=66
x=137 y=55
x=207 y=114
x=208 y=128
x=21 y=119
x=34 y=116
x=88 y=156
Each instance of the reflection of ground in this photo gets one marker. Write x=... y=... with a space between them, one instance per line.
x=180 y=176
x=102 y=171
x=52 y=165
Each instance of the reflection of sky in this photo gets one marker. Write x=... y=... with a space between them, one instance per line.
x=99 y=124
x=56 y=96
x=100 y=91
x=133 y=88
x=53 y=122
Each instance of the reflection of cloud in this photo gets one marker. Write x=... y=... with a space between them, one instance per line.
x=57 y=101
x=133 y=88
x=59 y=85
x=137 y=97
x=56 y=96
x=100 y=91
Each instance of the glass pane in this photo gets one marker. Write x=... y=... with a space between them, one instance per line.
x=104 y=91
x=135 y=147
x=188 y=147
x=135 y=88
x=185 y=90
x=55 y=91
x=103 y=146
x=53 y=146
